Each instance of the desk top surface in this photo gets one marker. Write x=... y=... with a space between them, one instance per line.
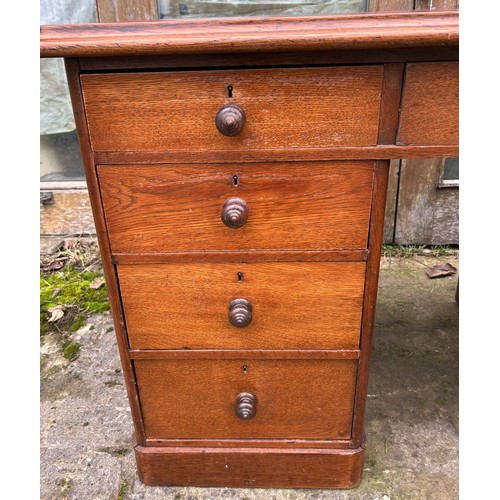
x=424 y=29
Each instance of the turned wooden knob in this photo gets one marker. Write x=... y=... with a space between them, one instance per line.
x=234 y=213
x=240 y=313
x=230 y=120
x=246 y=405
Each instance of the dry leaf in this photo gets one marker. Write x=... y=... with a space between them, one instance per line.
x=97 y=284
x=57 y=312
x=55 y=265
x=440 y=270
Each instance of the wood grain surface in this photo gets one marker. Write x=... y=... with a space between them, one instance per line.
x=370 y=297
x=295 y=398
x=242 y=256
x=250 y=468
x=110 y=11
x=271 y=59
x=390 y=102
x=194 y=354
x=72 y=72
x=436 y=4
x=309 y=305
x=262 y=34
x=380 y=152
x=285 y=108
x=426 y=213
x=389 y=5
x=429 y=108
x=305 y=163
x=292 y=206
x=284 y=444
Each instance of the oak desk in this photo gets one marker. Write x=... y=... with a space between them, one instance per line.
x=237 y=171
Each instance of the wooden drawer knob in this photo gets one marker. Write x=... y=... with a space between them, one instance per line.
x=230 y=120
x=234 y=213
x=246 y=405
x=240 y=313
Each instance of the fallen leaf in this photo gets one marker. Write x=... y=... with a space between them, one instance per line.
x=57 y=312
x=440 y=270
x=97 y=284
x=55 y=265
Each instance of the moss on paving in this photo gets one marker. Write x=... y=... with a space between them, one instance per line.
x=72 y=288
x=70 y=351
x=78 y=323
x=122 y=491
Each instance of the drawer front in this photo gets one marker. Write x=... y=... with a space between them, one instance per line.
x=293 y=398
x=303 y=305
x=290 y=206
x=284 y=108
x=429 y=108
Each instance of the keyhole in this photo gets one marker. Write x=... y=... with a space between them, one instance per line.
x=244 y=368
x=235 y=180
x=240 y=276
x=230 y=91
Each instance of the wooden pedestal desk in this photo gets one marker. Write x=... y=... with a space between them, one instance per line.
x=237 y=170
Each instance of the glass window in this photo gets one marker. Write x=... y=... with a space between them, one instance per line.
x=450 y=169
x=234 y=8
x=449 y=173
x=60 y=158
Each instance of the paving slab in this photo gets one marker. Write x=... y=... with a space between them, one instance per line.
x=50 y=244
x=411 y=416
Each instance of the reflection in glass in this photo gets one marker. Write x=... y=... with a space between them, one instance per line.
x=450 y=169
x=60 y=158
x=235 y=8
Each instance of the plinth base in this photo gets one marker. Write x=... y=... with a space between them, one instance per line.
x=250 y=467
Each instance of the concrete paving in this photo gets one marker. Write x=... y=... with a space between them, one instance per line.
x=411 y=417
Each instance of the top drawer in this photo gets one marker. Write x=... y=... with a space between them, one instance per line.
x=429 y=107
x=284 y=108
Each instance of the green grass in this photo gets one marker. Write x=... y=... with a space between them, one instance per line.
x=407 y=251
x=122 y=491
